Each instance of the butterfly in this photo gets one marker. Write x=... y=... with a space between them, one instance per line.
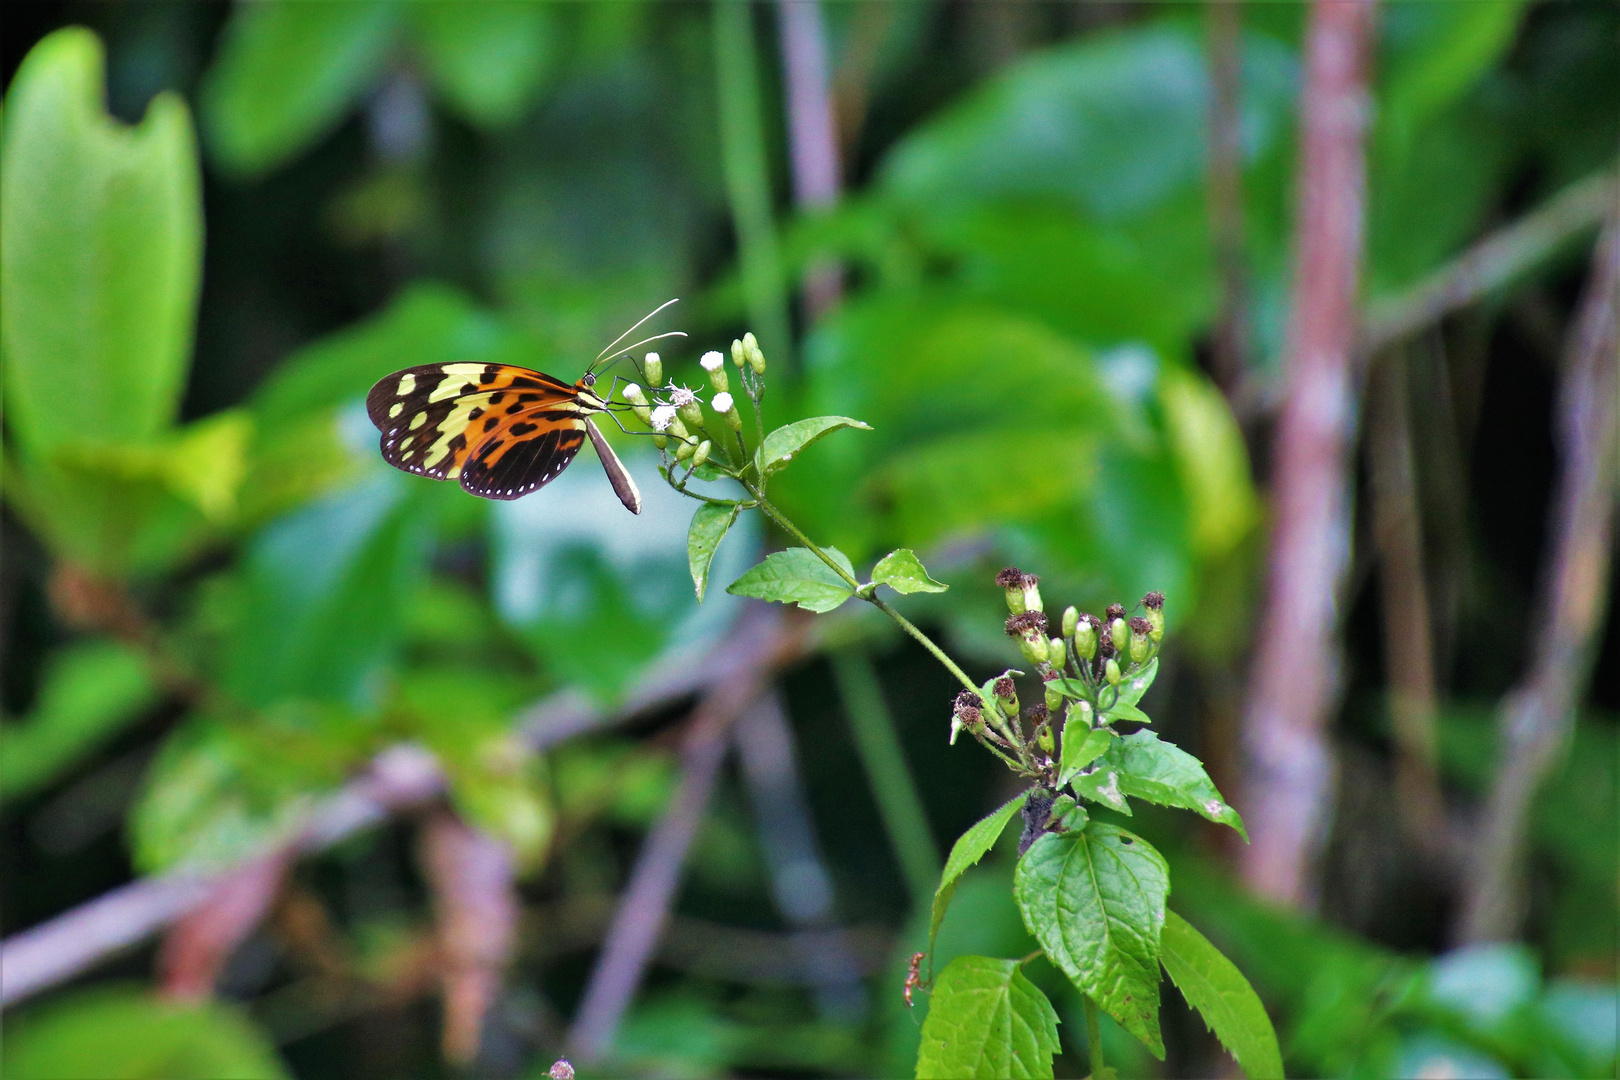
x=503 y=431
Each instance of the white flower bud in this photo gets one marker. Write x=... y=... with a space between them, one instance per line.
x=722 y=401
x=662 y=417
x=654 y=368
x=712 y=362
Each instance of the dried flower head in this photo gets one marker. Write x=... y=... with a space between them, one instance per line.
x=1153 y=601
x=1004 y=687
x=1038 y=713
x=1115 y=611
x=1010 y=578
x=1026 y=624
x=1139 y=625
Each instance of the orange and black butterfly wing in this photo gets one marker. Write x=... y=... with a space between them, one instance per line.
x=524 y=452
x=432 y=417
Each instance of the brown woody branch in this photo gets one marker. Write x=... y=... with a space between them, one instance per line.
x=1536 y=719
x=1289 y=780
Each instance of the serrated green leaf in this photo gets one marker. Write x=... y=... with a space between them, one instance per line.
x=710 y=524
x=1080 y=748
x=1100 y=782
x=1214 y=986
x=903 y=572
x=1095 y=901
x=1123 y=711
x=286 y=74
x=985 y=1019
x=1132 y=688
x=796 y=576
x=780 y=445
x=102 y=254
x=1163 y=773
x=969 y=848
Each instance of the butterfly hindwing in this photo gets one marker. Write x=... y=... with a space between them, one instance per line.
x=433 y=416
x=524 y=453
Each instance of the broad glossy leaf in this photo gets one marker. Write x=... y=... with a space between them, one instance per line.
x=797 y=576
x=125 y=1033
x=1101 y=781
x=486 y=60
x=903 y=572
x=1081 y=746
x=601 y=595
x=1095 y=901
x=1163 y=773
x=89 y=691
x=324 y=588
x=969 y=848
x=287 y=73
x=985 y=1019
x=102 y=254
x=781 y=445
x=1214 y=986
x=710 y=523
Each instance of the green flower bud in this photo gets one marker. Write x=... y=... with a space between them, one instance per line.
x=685 y=450
x=1033 y=648
x=715 y=365
x=654 y=368
x=726 y=407
x=1057 y=653
x=1111 y=672
x=1054 y=699
x=660 y=440
x=1044 y=739
x=1071 y=620
x=1012 y=582
x=1141 y=644
x=1085 y=637
x=678 y=429
x=756 y=358
x=1154 y=603
x=701 y=454
x=739 y=355
x=1119 y=634
x=692 y=413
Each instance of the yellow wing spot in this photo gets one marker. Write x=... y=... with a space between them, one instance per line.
x=418 y=420
x=453 y=474
x=453 y=386
x=407 y=383
x=399 y=407
x=466 y=370
x=405 y=444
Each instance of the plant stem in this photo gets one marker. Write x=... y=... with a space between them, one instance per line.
x=878 y=744
x=1093 y=1036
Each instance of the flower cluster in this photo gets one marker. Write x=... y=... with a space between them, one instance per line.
x=675 y=412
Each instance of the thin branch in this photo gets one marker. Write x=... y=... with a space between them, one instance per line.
x=812 y=142
x=1537 y=718
x=639 y=921
x=1404 y=599
x=1491 y=264
x=1289 y=783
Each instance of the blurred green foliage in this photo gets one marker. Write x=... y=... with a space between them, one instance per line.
x=1030 y=284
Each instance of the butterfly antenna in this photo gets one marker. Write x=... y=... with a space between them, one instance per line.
x=634 y=328
x=628 y=349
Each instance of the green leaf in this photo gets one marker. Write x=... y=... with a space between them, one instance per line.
x=287 y=73
x=1163 y=773
x=1095 y=901
x=710 y=524
x=780 y=445
x=1214 y=986
x=1100 y=782
x=1131 y=689
x=102 y=254
x=969 y=848
x=486 y=60
x=986 y=1019
x=324 y=588
x=1122 y=711
x=124 y=1033
x=89 y=691
x=1080 y=748
x=903 y=572
x=797 y=576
